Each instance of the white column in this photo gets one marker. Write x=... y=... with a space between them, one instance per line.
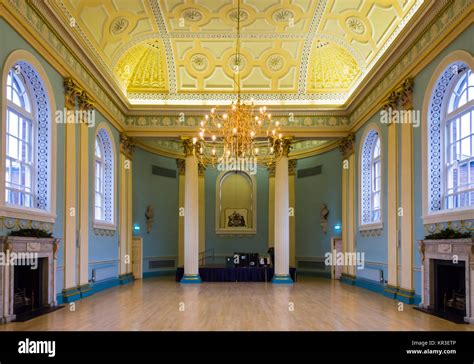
x=406 y=290
x=348 y=204
x=181 y=173
x=202 y=209
x=282 y=220
x=191 y=215
x=127 y=148
x=85 y=104
x=271 y=205
x=70 y=292
x=292 y=202
x=392 y=210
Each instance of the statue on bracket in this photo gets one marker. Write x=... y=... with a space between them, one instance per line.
x=323 y=215
x=149 y=214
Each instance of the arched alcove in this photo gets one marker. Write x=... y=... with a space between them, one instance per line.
x=236 y=203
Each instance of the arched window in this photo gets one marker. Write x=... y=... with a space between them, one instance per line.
x=458 y=120
x=104 y=178
x=28 y=138
x=371 y=180
x=448 y=141
x=20 y=143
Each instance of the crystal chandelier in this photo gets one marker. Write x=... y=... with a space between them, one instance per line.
x=242 y=132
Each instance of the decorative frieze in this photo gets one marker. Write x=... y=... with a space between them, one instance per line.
x=11 y=223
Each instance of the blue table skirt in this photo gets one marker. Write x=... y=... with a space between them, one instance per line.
x=223 y=274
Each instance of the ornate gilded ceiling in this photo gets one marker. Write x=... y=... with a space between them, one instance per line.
x=182 y=52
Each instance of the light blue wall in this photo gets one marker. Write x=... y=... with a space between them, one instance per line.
x=226 y=245
x=103 y=251
x=162 y=194
x=311 y=192
x=11 y=41
x=375 y=248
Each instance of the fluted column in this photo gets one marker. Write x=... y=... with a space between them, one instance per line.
x=282 y=220
x=191 y=215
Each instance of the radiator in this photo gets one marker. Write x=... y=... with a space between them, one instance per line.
x=371 y=274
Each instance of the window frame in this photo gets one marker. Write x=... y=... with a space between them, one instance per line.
x=372 y=225
x=430 y=217
x=30 y=117
x=102 y=224
x=15 y=213
x=447 y=143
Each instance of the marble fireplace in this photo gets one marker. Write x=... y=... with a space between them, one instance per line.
x=27 y=275
x=448 y=276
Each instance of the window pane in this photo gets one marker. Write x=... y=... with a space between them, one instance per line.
x=98 y=152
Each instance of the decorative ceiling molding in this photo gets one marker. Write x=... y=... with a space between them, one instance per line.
x=297 y=53
x=431 y=31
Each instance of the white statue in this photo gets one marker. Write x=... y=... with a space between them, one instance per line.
x=323 y=215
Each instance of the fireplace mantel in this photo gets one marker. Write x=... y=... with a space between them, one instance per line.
x=447 y=249
x=45 y=248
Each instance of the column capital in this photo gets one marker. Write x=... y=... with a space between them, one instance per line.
x=181 y=166
x=201 y=169
x=283 y=146
x=189 y=146
x=346 y=145
x=400 y=96
x=271 y=169
x=405 y=94
x=127 y=146
x=292 y=166
x=85 y=101
x=71 y=91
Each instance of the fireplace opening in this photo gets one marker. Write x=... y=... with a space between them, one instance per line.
x=450 y=288
x=29 y=285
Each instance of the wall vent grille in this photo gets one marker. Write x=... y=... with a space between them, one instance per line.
x=313 y=171
x=164 y=172
x=157 y=264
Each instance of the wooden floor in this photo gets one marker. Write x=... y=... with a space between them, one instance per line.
x=157 y=304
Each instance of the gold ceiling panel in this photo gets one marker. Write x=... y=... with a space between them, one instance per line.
x=182 y=52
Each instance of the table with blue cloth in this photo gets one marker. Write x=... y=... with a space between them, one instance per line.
x=226 y=274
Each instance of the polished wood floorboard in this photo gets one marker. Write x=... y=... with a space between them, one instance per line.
x=158 y=303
